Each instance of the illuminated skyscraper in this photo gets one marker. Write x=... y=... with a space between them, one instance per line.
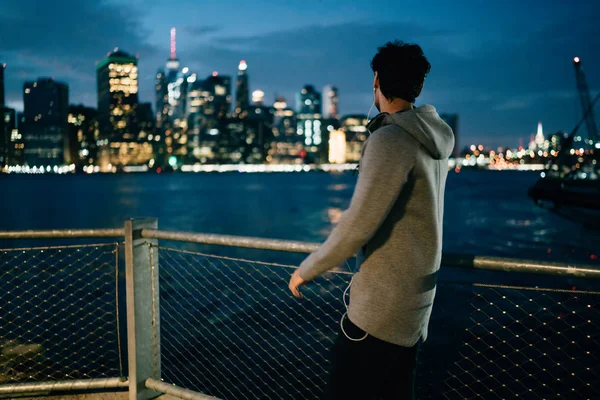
x=308 y=124
x=331 y=102
x=337 y=147
x=161 y=100
x=118 y=97
x=219 y=104
x=176 y=83
x=177 y=95
x=197 y=98
x=355 y=128
x=242 y=102
x=7 y=126
x=83 y=135
x=172 y=62
x=145 y=121
x=308 y=101
x=539 y=137
x=117 y=112
x=45 y=133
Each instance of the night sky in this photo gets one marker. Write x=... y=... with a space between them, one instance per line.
x=502 y=65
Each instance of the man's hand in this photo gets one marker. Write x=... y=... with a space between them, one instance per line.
x=295 y=282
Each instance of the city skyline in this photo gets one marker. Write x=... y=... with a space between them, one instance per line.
x=503 y=72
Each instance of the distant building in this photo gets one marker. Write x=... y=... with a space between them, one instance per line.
x=177 y=95
x=146 y=123
x=242 y=101
x=285 y=147
x=284 y=123
x=355 y=129
x=219 y=101
x=337 y=147
x=172 y=66
x=309 y=124
x=211 y=135
x=308 y=101
x=452 y=121
x=540 y=140
x=197 y=98
x=118 y=101
x=117 y=77
x=331 y=102
x=258 y=133
x=16 y=154
x=161 y=103
x=45 y=130
x=83 y=136
x=7 y=126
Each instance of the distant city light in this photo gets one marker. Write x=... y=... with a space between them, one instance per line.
x=215 y=73
x=337 y=147
x=258 y=96
x=213 y=132
x=576 y=59
x=243 y=66
x=172 y=161
x=185 y=70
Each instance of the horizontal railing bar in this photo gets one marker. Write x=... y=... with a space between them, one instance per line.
x=64 y=386
x=63 y=234
x=448 y=260
x=233 y=241
x=518 y=265
x=176 y=391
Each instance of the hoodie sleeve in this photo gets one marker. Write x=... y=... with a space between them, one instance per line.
x=388 y=158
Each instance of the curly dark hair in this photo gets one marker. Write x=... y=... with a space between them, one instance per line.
x=402 y=69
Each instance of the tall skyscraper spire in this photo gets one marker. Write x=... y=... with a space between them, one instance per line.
x=539 y=137
x=242 y=100
x=173 y=44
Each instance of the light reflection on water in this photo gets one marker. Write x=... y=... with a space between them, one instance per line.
x=487 y=213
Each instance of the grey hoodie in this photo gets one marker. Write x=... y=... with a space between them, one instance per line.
x=394 y=226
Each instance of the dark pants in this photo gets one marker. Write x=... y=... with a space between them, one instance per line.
x=371 y=368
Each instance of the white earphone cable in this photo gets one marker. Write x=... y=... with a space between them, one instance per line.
x=346 y=313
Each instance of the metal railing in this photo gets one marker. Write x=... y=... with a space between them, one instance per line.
x=226 y=325
x=230 y=328
x=58 y=307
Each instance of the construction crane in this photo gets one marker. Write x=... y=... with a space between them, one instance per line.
x=586 y=102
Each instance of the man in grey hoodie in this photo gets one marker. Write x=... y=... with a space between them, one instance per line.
x=394 y=226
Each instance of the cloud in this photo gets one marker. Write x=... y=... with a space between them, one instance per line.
x=525 y=101
x=283 y=61
x=201 y=30
x=64 y=39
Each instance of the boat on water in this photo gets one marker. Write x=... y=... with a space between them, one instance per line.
x=570 y=185
x=575 y=199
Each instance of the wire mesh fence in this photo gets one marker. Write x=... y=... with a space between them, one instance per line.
x=506 y=342
x=230 y=328
x=58 y=313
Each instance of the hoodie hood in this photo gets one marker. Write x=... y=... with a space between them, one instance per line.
x=425 y=125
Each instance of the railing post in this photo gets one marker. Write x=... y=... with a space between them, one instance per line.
x=143 y=317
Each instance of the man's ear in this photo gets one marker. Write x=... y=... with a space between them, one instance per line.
x=420 y=90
